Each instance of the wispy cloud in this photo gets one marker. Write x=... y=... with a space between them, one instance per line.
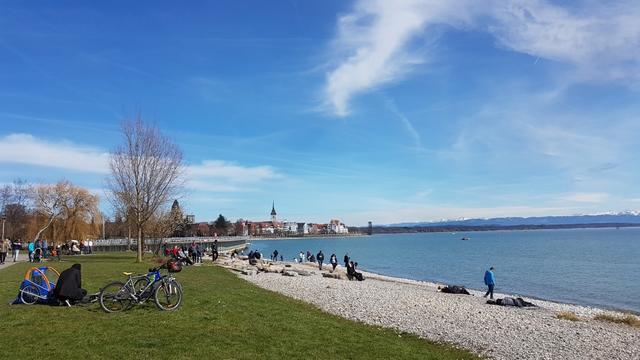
x=29 y=150
x=415 y=136
x=376 y=42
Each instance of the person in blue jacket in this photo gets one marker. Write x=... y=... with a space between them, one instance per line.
x=490 y=281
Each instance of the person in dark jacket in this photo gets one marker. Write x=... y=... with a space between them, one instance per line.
x=490 y=281
x=334 y=262
x=509 y=301
x=69 y=286
x=320 y=258
x=454 y=289
x=346 y=260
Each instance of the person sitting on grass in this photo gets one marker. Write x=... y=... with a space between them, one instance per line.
x=182 y=256
x=69 y=287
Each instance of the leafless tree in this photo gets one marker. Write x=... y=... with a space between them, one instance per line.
x=146 y=172
x=48 y=200
x=160 y=227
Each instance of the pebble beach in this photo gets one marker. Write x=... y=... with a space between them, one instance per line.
x=465 y=321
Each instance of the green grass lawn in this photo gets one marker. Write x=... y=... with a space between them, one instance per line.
x=222 y=317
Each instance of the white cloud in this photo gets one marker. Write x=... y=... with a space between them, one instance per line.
x=29 y=150
x=217 y=169
x=374 y=41
x=209 y=175
x=222 y=176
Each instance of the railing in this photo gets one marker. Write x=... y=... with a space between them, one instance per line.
x=172 y=241
x=225 y=243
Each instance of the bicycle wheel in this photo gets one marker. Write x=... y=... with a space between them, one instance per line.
x=140 y=285
x=115 y=297
x=29 y=295
x=168 y=295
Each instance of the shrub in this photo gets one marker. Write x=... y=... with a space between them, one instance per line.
x=628 y=319
x=567 y=315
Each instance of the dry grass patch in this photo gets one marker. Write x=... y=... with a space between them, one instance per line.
x=628 y=319
x=567 y=315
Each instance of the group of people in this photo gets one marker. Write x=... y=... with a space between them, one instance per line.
x=192 y=254
x=274 y=256
x=352 y=273
x=490 y=282
x=41 y=249
x=319 y=258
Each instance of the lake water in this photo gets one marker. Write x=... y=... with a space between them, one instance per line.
x=598 y=267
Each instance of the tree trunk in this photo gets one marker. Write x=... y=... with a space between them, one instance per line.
x=140 y=248
x=44 y=228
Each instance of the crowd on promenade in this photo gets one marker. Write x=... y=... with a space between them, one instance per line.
x=41 y=249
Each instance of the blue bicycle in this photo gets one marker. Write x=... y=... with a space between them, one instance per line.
x=165 y=290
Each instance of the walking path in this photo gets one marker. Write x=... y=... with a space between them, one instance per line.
x=9 y=260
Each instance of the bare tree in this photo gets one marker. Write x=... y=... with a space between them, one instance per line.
x=48 y=200
x=160 y=227
x=146 y=173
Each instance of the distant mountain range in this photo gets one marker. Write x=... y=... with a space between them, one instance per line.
x=627 y=217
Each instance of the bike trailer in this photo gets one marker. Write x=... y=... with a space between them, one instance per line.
x=38 y=285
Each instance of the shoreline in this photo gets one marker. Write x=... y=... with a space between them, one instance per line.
x=467 y=321
x=383 y=277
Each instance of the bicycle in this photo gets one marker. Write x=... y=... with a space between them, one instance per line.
x=165 y=290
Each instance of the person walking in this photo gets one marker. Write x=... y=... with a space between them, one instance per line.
x=30 y=249
x=16 y=246
x=490 y=281
x=320 y=258
x=5 y=245
x=274 y=257
x=333 y=260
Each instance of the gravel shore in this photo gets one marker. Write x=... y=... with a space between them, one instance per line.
x=466 y=321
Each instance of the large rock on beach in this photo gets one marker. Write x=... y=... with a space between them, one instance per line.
x=332 y=275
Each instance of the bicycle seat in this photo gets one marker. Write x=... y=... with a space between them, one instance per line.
x=127 y=273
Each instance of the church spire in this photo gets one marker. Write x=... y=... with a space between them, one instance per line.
x=273 y=213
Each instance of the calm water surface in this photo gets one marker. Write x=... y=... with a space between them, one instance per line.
x=585 y=266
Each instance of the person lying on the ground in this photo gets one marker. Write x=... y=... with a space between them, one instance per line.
x=69 y=286
x=454 y=289
x=509 y=301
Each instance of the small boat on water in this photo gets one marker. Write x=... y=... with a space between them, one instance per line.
x=465 y=238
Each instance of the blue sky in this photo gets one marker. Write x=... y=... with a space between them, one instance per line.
x=388 y=111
